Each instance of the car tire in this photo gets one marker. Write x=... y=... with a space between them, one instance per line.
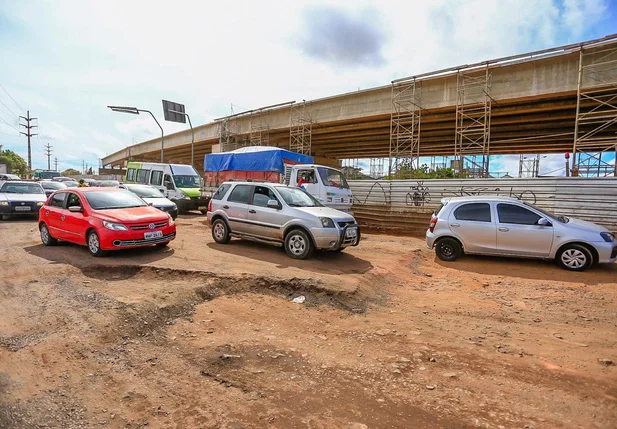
x=94 y=244
x=46 y=237
x=298 y=244
x=574 y=257
x=220 y=231
x=204 y=212
x=448 y=249
x=165 y=244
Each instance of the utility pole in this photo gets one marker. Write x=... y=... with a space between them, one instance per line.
x=28 y=134
x=56 y=162
x=48 y=153
x=83 y=166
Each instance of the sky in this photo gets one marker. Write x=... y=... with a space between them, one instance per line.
x=65 y=61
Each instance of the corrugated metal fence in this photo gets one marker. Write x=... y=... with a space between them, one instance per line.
x=406 y=205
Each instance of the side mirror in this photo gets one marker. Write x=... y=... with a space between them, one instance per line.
x=543 y=222
x=273 y=204
x=169 y=186
x=75 y=209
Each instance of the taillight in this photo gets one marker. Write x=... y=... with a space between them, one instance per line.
x=210 y=206
x=433 y=223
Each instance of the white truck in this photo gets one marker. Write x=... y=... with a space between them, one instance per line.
x=326 y=184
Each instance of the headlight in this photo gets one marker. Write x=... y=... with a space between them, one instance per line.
x=4 y=203
x=186 y=197
x=326 y=222
x=608 y=237
x=39 y=203
x=170 y=220
x=114 y=226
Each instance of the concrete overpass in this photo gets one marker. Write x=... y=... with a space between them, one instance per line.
x=552 y=101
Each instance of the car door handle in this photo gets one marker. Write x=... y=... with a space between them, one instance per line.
x=502 y=229
x=455 y=225
x=252 y=211
x=225 y=207
x=62 y=217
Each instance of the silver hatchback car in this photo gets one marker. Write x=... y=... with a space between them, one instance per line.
x=509 y=227
x=280 y=215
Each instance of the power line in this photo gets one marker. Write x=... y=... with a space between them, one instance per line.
x=1 y=118
x=8 y=108
x=11 y=97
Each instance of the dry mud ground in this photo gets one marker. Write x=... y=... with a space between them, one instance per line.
x=206 y=336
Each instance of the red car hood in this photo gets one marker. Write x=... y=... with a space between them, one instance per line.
x=133 y=215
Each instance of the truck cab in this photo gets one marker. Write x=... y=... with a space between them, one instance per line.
x=326 y=184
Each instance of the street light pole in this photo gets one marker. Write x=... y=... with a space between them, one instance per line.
x=135 y=111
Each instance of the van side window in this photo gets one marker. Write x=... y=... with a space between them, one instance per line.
x=240 y=194
x=130 y=175
x=167 y=180
x=142 y=176
x=156 y=178
x=221 y=191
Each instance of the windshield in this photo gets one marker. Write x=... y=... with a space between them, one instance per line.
x=70 y=184
x=110 y=183
x=550 y=216
x=22 y=188
x=145 y=191
x=53 y=185
x=187 y=181
x=295 y=197
x=103 y=200
x=332 y=177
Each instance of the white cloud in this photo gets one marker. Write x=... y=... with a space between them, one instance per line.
x=579 y=14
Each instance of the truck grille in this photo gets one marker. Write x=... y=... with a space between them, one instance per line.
x=147 y=226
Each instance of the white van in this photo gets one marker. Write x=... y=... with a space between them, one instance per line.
x=178 y=182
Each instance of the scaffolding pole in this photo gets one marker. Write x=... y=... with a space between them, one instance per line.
x=405 y=128
x=300 y=129
x=376 y=166
x=260 y=130
x=595 y=129
x=473 y=123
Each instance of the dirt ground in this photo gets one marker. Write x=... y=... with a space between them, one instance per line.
x=202 y=335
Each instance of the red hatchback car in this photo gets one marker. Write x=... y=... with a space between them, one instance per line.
x=103 y=219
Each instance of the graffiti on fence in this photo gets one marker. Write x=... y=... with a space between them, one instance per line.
x=465 y=191
x=419 y=195
x=386 y=196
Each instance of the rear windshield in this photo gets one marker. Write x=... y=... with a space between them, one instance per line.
x=22 y=188
x=145 y=191
x=104 y=200
x=53 y=185
x=441 y=206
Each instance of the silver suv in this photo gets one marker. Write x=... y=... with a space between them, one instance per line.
x=281 y=215
x=509 y=227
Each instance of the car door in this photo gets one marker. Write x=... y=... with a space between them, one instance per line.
x=236 y=206
x=264 y=221
x=52 y=213
x=75 y=223
x=474 y=224
x=518 y=232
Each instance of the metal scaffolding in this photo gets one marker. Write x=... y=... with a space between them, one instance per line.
x=473 y=123
x=528 y=166
x=376 y=168
x=351 y=169
x=300 y=129
x=229 y=140
x=260 y=130
x=595 y=129
x=405 y=127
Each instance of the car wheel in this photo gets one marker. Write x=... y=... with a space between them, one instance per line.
x=46 y=237
x=220 y=231
x=448 y=249
x=574 y=257
x=94 y=244
x=298 y=245
x=165 y=244
x=204 y=212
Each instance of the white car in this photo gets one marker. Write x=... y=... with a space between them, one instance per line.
x=509 y=227
x=153 y=197
x=19 y=198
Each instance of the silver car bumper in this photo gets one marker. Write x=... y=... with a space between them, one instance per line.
x=430 y=239
x=335 y=238
x=607 y=252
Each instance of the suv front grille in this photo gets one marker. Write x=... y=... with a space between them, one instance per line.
x=147 y=226
x=344 y=224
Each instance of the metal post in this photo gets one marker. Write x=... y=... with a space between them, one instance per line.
x=578 y=103
x=192 y=141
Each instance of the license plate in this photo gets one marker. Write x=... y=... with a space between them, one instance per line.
x=152 y=234
x=23 y=208
x=351 y=233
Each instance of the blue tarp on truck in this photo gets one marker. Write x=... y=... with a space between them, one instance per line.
x=254 y=158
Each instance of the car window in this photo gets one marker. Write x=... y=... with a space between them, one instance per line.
x=73 y=200
x=130 y=175
x=107 y=200
x=477 y=212
x=240 y=194
x=58 y=199
x=156 y=178
x=262 y=195
x=221 y=191
x=510 y=213
x=142 y=176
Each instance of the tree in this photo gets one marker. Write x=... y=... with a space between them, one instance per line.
x=15 y=163
x=406 y=171
x=71 y=172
